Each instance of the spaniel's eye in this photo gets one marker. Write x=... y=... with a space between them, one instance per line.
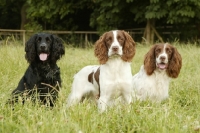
x=108 y=39
x=120 y=38
x=168 y=51
x=158 y=50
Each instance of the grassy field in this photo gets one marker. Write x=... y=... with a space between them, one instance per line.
x=179 y=114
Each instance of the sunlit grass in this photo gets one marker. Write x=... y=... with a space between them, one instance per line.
x=178 y=114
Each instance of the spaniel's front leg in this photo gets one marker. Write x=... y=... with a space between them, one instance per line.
x=105 y=98
x=103 y=102
x=127 y=92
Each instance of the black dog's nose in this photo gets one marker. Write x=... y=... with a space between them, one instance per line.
x=43 y=46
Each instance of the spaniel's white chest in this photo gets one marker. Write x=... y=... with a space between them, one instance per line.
x=154 y=87
x=115 y=79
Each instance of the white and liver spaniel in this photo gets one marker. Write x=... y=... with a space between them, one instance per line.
x=161 y=63
x=113 y=78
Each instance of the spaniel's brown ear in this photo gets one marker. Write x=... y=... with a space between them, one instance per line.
x=129 y=48
x=175 y=64
x=30 y=49
x=150 y=61
x=100 y=49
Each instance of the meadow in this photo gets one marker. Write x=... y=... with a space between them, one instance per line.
x=180 y=113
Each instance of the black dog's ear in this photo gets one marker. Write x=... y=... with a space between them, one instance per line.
x=30 y=49
x=58 y=48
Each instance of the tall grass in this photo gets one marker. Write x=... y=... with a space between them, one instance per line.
x=179 y=114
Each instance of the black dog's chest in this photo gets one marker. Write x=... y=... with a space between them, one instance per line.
x=45 y=80
x=47 y=76
x=42 y=77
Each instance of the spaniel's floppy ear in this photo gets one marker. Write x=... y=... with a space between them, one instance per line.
x=175 y=64
x=58 y=48
x=149 y=61
x=100 y=50
x=30 y=49
x=129 y=48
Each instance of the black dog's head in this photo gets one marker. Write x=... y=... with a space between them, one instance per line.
x=44 y=47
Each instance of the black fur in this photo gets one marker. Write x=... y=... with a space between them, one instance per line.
x=42 y=77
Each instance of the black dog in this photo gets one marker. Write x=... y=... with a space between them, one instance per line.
x=42 y=78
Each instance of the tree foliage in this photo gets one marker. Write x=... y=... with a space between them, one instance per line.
x=183 y=11
x=54 y=11
x=10 y=13
x=99 y=15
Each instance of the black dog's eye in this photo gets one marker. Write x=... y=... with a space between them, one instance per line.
x=48 y=40
x=39 y=39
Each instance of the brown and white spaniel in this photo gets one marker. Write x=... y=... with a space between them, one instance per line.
x=161 y=63
x=112 y=78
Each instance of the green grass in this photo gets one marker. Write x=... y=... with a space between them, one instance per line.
x=179 y=114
